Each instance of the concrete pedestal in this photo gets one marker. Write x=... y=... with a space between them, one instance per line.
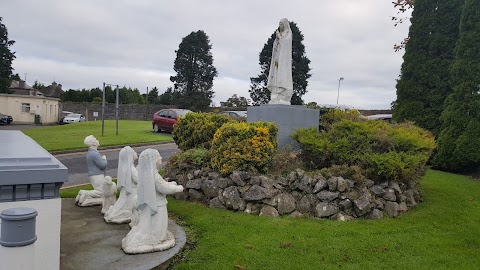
x=287 y=117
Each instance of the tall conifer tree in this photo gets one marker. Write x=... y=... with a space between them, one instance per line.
x=6 y=58
x=425 y=76
x=459 y=139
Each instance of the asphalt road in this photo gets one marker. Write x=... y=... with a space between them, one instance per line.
x=77 y=163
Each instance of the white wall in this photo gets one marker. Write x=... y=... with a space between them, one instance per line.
x=47 y=108
x=47 y=247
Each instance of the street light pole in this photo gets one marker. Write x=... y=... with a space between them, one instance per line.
x=338 y=91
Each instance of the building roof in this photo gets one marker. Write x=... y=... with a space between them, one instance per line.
x=53 y=90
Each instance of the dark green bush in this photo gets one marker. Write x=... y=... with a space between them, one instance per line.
x=354 y=173
x=189 y=160
x=196 y=130
x=382 y=150
x=244 y=146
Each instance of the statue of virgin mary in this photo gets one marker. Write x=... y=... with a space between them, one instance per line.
x=280 y=81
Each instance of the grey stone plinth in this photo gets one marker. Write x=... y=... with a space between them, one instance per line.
x=27 y=171
x=287 y=117
x=18 y=227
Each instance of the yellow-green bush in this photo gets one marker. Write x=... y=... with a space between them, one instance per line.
x=335 y=115
x=382 y=150
x=196 y=130
x=244 y=146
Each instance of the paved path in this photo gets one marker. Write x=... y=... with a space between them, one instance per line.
x=77 y=163
x=88 y=242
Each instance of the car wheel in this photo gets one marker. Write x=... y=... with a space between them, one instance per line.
x=155 y=128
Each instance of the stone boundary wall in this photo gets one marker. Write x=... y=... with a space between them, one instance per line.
x=141 y=111
x=296 y=195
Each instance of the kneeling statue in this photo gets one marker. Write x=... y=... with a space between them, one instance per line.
x=151 y=234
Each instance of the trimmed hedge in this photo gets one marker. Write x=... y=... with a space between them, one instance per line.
x=196 y=130
x=382 y=150
x=244 y=147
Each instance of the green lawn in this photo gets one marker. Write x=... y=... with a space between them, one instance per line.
x=71 y=136
x=443 y=232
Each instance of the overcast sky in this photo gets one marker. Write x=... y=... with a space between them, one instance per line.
x=83 y=43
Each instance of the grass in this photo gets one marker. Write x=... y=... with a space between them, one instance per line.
x=71 y=136
x=440 y=233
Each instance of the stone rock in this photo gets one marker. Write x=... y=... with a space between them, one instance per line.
x=350 y=183
x=216 y=203
x=341 y=217
x=410 y=200
x=255 y=193
x=401 y=198
x=195 y=183
x=297 y=195
x=252 y=209
x=353 y=195
x=296 y=214
x=332 y=183
x=181 y=195
x=237 y=178
x=304 y=184
x=300 y=173
x=390 y=195
x=190 y=176
x=326 y=210
x=181 y=179
x=304 y=205
x=394 y=185
x=345 y=204
x=286 y=203
x=222 y=183
x=375 y=214
x=342 y=184
x=214 y=175
x=321 y=184
x=210 y=188
x=196 y=195
x=242 y=205
x=244 y=188
x=362 y=205
x=379 y=204
x=197 y=173
x=384 y=184
x=377 y=190
x=391 y=208
x=327 y=196
x=369 y=183
x=317 y=178
x=267 y=210
x=402 y=207
x=292 y=177
x=266 y=182
x=281 y=181
x=232 y=197
x=255 y=180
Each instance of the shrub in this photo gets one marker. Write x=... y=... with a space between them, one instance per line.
x=383 y=151
x=196 y=130
x=244 y=146
x=189 y=160
x=286 y=160
x=335 y=115
x=354 y=173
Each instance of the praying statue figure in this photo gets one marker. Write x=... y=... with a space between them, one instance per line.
x=280 y=81
x=151 y=234
x=96 y=172
x=127 y=178
x=109 y=194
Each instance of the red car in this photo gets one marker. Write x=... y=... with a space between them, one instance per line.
x=165 y=119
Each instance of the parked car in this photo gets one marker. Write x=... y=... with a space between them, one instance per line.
x=165 y=119
x=73 y=118
x=385 y=117
x=235 y=114
x=5 y=119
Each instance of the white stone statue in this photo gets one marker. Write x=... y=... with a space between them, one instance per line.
x=96 y=172
x=151 y=234
x=280 y=82
x=127 y=178
x=109 y=189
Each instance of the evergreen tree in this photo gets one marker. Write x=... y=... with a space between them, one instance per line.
x=459 y=140
x=235 y=101
x=168 y=98
x=153 y=96
x=6 y=58
x=300 y=70
x=425 y=75
x=38 y=85
x=195 y=72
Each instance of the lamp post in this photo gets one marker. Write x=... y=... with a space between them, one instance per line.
x=338 y=91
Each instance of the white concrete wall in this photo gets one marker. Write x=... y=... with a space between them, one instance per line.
x=47 y=247
x=47 y=108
